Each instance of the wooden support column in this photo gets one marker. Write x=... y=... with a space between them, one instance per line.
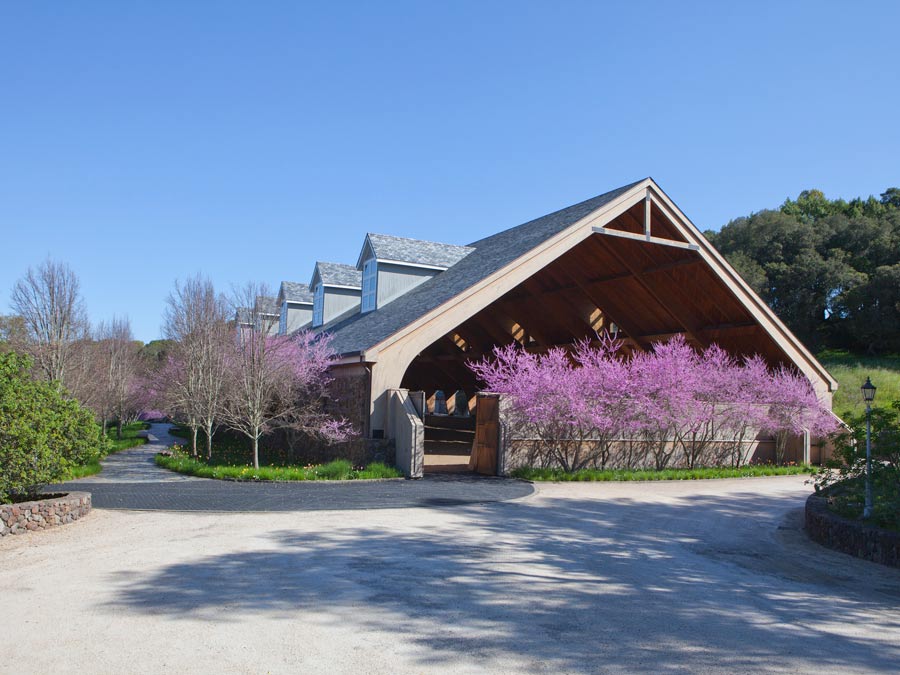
x=647 y=219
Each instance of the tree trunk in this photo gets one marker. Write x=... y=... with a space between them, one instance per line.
x=194 y=441
x=781 y=439
x=256 y=452
x=104 y=427
x=209 y=434
x=119 y=428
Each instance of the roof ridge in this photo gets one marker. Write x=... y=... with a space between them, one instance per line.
x=421 y=241
x=362 y=331
x=578 y=205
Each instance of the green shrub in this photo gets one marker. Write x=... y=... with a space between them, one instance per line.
x=43 y=433
x=844 y=482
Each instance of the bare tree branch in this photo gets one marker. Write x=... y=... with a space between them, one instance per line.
x=49 y=301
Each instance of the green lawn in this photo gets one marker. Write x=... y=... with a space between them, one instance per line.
x=700 y=473
x=339 y=469
x=851 y=370
x=83 y=470
x=130 y=436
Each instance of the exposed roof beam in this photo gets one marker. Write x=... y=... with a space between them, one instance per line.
x=512 y=316
x=721 y=329
x=646 y=238
x=573 y=324
x=495 y=334
x=676 y=310
x=629 y=329
x=596 y=281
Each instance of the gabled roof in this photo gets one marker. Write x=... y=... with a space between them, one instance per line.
x=363 y=331
x=266 y=305
x=388 y=248
x=336 y=274
x=291 y=291
x=242 y=316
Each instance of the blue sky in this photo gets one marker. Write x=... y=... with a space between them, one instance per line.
x=147 y=141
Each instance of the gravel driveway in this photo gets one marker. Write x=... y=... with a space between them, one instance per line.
x=678 y=577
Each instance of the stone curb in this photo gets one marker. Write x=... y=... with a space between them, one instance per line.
x=44 y=513
x=850 y=536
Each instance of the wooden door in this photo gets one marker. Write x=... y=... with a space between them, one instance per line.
x=487 y=435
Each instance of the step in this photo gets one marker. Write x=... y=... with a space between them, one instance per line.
x=447 y=468
x=443 y=434
x=450 y=422
x=448 y=448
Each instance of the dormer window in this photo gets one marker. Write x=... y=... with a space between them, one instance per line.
x=369 y=284
x=318 y=305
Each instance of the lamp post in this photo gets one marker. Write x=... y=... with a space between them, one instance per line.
x=868 y=392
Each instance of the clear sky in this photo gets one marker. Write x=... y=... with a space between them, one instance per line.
x=146 y=141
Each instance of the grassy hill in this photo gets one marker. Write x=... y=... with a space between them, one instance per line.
x=851 y=370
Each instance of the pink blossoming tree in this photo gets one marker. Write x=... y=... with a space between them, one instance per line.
x=590 y=407
x=277 y=381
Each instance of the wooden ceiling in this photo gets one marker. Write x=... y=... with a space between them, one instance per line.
x=648 y=292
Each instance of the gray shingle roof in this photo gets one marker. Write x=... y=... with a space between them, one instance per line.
x=363 y=331
x=416 y=251
x=295 y=292
x=338 y=274
x=266 y=305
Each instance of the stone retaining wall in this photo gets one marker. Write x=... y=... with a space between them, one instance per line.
x=39 y=515
x=850 y=536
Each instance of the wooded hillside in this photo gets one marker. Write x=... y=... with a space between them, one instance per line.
x=829 y=268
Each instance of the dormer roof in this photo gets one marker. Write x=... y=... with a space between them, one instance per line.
x=415 y=252
x=267 y=306
x=336 y=275
x=291 y=291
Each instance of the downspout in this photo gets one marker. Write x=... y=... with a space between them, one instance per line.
x=368 y=428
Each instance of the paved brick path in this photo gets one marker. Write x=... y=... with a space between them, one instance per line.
x=131 y=480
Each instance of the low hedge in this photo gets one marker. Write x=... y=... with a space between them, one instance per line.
x=700 y=473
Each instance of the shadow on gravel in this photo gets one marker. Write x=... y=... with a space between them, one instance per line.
x=575 y=586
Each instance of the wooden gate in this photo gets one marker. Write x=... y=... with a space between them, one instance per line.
x=487 y=435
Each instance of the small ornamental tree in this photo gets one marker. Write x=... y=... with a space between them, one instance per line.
x=605 y=398
x=665 y=408
x=196 y=323
x=173 y=387
x=741 y=413
x=42 y=431
x=277 y=381
x=115 y=373
x=794 y=408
